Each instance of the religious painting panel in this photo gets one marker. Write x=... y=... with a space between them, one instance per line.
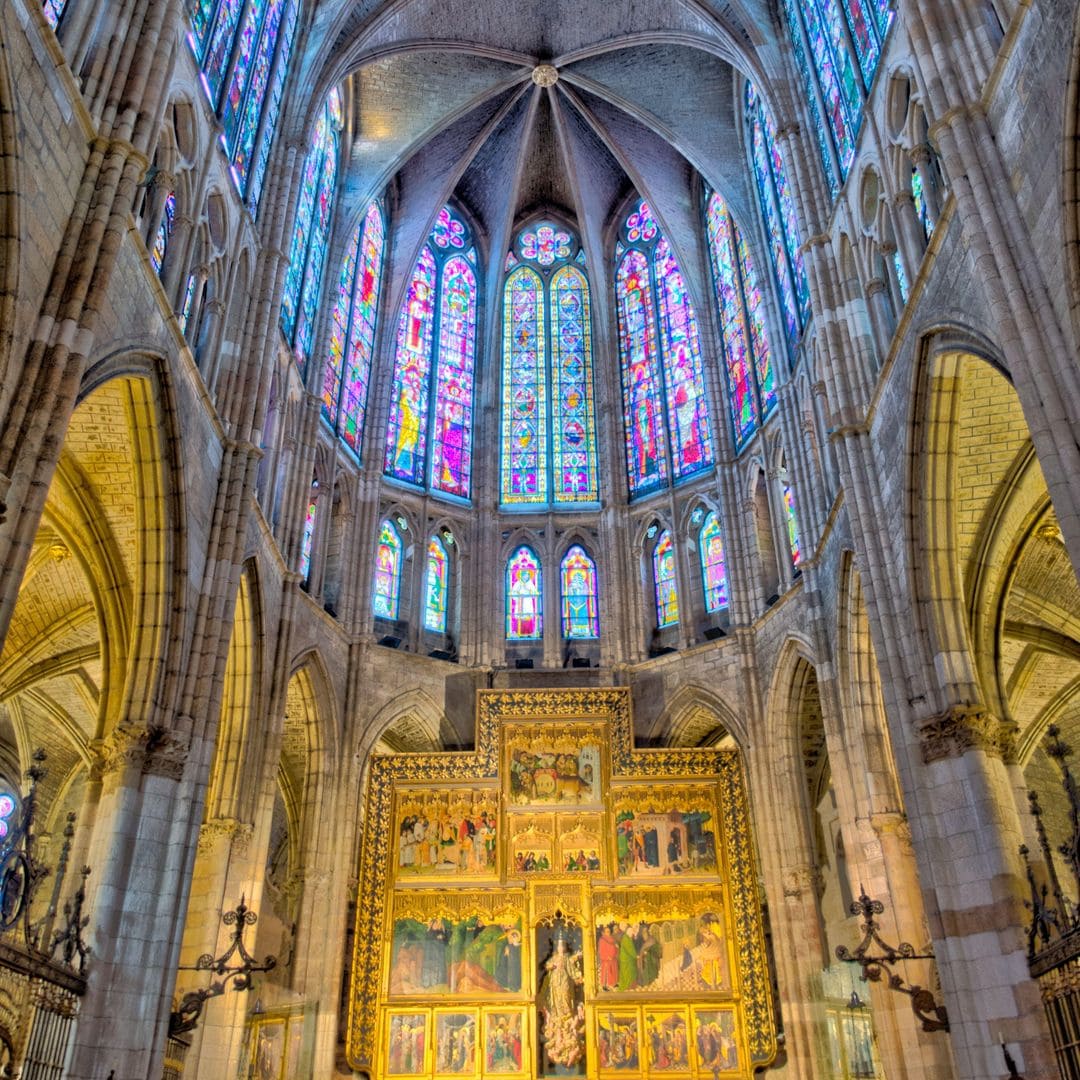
x=667 y=1041
x=554 y=765
x=665 y=831
x=581 y=843
x=673 y=941
x=505 y=1049
x=447 y=833
x=455 y=1042
x=407 y=1041
x=715 y=1041
x=455 y=945
x=618 y=1042
x=269 y=1050
x=532 y=844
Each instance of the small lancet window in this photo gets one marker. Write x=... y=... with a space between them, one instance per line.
x=713 y=568
x=667 y=597
x=388 y=559
x=580 y=615
x=524 y=596
x=436 y=586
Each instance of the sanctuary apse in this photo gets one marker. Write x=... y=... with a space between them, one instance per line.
x=525 y=517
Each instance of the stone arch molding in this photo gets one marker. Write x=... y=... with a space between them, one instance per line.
x=697 y=717
x=416 y=707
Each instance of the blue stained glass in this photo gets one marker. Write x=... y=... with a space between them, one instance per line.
x=713 y=570
x=792 y=526
x=164 y=233
x=386 y=593
x=54 y=10
x=922 y=209
x=901 y=276
x=201 y=12
x=244 y=50
x=219 y=45
x=580 y=614
x=306 y=539
x=436 y=586
x=525 y=404
x=865 y=35
x=271 y=109
x=667 y=597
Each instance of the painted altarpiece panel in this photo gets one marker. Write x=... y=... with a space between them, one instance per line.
x=558 y=903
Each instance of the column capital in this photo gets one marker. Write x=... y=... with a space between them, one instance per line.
x=961 y=728
x=799 y=881
x=151 y=750
x=236 y=834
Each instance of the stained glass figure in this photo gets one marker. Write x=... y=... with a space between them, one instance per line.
x=667 y=597
x=435 y=363
x=306 y=539
x=524 y=596
x=53 y=9
x=352 y=329
x=186 y=306
x=778 y=213
x=243 y=50
x=386 y=593
x=580 y=617
x=792 y=525
x=548 y=428
x=7 y=808
x=307 y=253
x=665 y=414
x=922 y=208
x=164 y=233
x=713 y=569
x=436 y=586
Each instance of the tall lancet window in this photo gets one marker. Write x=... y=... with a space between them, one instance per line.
x=386 y=591
x=307 y=254
x=436 y=586
x=548 y=413
x=524 y=596
x=429 y=435
x=668 y=437
x=352 y=329
x=751 y=379
x=667 y=594
x=778 y=212
x=837 y=46
x=243 y=50
x=713 y=567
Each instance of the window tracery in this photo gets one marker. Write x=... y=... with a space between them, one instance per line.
x=667 y=431
x=548 y=444
x=435 y=360
x=243 y=51
x=352 y=329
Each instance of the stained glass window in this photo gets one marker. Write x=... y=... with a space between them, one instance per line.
x=792 y=525
x=386 y=594
x=580 y=617
x=778 y=212
x=164 y=233
x=922 y=208
x=548 y=421
x=837 y=46
x=667 y=597
x=665 y=413
x=435 y=361
x=306 y=539
x=244 y=53
x=307 y=254
x=713 y=569
x=54 y=9
x=901 y=275
x=189 y=302
x=751 y=380
x=524 y=596
x=436 y=585
x=352 y=329
x=7 y=808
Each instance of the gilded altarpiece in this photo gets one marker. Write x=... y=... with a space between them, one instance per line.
x=558 y=903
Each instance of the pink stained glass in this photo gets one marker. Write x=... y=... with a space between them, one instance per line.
x=53 y=9
x=524 y=596
x=732 y=318
x=386 y=591
x=667 y=597
x=306 y=540
x=641 y=225
x=755 y=321
x=545 y=244
x=436 y=587
x=792 y=525
x=365 y=308
x=713 y=569
x=448 y=231
x=864 y=34
x=525 y=386
x=339 y=321
x=451 y=444
x=688 y=420
x=406 y=440
x=7 y=808
x=580 y=614
x=645 y=458
x=164 y=233
x=243 y=52
x=320 y=230
x=574 y=468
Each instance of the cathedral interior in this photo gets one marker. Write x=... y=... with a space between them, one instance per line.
x=539 y=539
